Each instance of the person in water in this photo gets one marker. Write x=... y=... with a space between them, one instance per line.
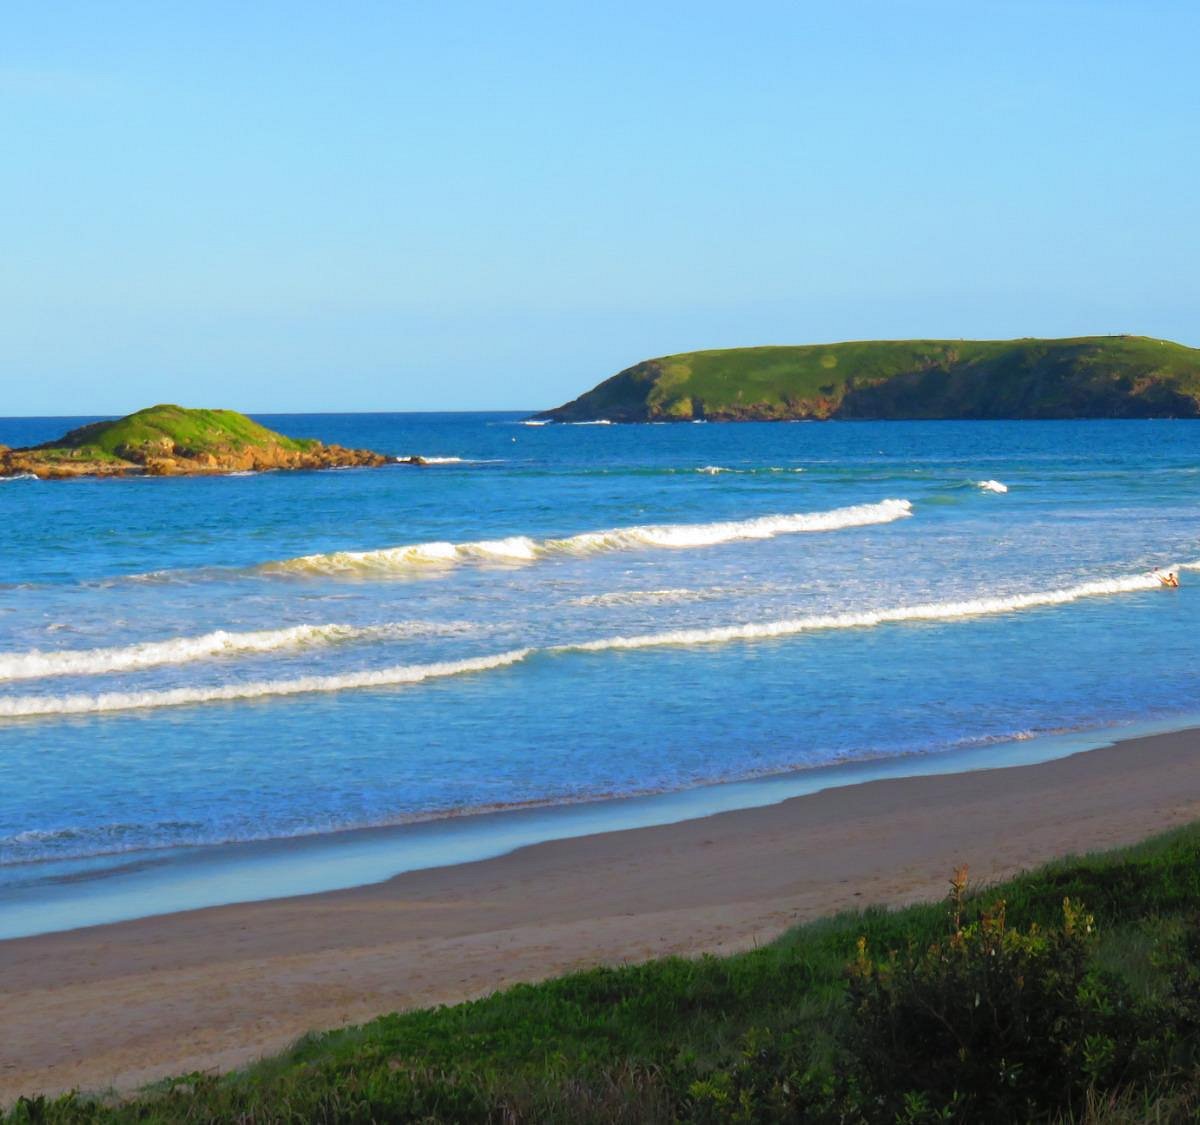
x=1169 y=579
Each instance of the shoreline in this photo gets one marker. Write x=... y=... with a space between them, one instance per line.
x=60 y=895
x=125 y=1003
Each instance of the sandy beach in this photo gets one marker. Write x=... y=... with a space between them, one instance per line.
x=122 y=1004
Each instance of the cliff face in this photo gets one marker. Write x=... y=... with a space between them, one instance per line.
x=1086 y=377
x=172 y=441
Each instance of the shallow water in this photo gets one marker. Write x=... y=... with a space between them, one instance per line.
x=569 y=611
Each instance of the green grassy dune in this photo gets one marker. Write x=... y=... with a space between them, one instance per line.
x=167 y=440
x=174 y=427
x=1085 y=377
x=1068 y=994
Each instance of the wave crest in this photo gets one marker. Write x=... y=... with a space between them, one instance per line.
x=182 y=650
x=521 y=548
x=33 y=705
x=28 y=706
x=715 y=470
x=930 y=611
x=423 y=459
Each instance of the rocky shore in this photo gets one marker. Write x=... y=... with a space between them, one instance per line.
x=174 y=441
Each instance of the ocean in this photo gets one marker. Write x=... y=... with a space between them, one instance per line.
x=553 y=614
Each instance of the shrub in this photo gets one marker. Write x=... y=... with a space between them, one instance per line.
x=989 y=1023
x=772 y=1080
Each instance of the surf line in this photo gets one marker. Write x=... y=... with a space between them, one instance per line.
x=523 y=548
x=40 y=663
x=433 y=556
x=30 y=706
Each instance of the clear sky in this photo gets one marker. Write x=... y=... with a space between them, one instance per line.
x=407 y=205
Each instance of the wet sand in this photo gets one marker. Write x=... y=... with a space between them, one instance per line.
x=123 y=1004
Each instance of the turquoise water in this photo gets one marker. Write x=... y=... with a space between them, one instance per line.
x=568 y=612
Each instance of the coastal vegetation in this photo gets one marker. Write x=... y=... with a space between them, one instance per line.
x=1068 y=994
x=1084 y=377
x=168 y=440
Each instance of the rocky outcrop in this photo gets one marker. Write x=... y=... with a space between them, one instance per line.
x=171 y=441
x=168 y=462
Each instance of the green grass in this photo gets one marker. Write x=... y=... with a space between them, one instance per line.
x=191 y=432
x=666 y=1040
x=1109 y=376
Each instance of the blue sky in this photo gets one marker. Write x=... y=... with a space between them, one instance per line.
x=410 y=205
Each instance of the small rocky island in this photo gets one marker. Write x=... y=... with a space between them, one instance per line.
x=175 y=441
x=1084 y=377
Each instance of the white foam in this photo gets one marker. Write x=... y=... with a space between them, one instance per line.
x=715 y=470
x=19 y=476
x=521 y=548
x=421 y=459
x=709 y=534
x=31 y=705
x=645 y=597
x=991 y=486
x=930 y=611
x=27 y=706
x=536 y=422
x=183 y=650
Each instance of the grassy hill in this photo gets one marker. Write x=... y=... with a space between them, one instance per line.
x=1085 y=377
x=167 y=440
x=189 y=431
x=1071 y=993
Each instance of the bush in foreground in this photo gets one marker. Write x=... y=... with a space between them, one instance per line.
x=992 y=1022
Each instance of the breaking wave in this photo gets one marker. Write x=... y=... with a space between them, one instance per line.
x=28 y=706
x=421 y=459
x=715 y=470
x=521 y=548
x=929 y=611
x=32 y=705
x=991 y=486
x=182 y=650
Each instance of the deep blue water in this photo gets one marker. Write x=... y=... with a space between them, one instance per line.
x=196 y=660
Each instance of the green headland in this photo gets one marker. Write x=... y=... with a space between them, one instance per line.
x=170 y=440
x=1084 y=377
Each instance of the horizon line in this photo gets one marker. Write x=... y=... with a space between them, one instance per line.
x=326 y=413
